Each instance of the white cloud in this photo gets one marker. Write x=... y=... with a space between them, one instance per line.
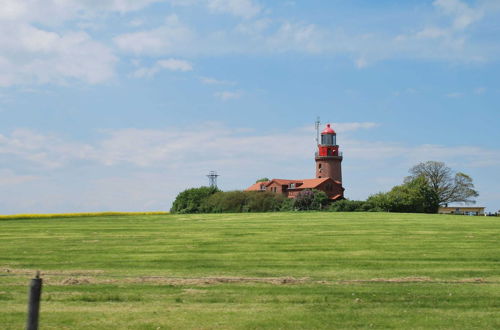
x=452 y=40
x=175 y=37
x=213 y=81
x=361 y=63
x=172 y=37
x=175 y=65
x=292 y=36
x=173 y=146
x=462 y=14
x=346 y=127
x=454 y=95
x=480 y=90
x=432 y=33
x=140 y=169
x=136 y=22
x=34 y=54
x=272 y=36
x=242 y=8
x=49 y=151
x=9 y=178
x=228 y=95
x=170 y=64
x=52 y=12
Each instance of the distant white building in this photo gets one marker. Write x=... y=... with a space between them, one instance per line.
x=462 y=210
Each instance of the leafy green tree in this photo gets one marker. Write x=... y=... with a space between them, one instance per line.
x=320 y=200
x=192 y=200
x=448 y=186
x=310 y=200
x=303 y=200
x=414 y=196
x=262 y=180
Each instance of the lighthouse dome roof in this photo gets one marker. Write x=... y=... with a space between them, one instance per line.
x=328 y=130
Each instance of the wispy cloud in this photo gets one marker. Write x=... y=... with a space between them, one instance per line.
x=34 y=56
x=10 y=178
x=480 y=90
x=173 y=37
x=461 y=13
x=54 y=41
x=148 y=147
x=228 y=95
x=213 y=81
x=143 y=164
x=170 y=64
x=267 y=35
x=454 y=95
x=242 y=8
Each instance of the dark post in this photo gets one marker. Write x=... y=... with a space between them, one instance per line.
x=34 y=302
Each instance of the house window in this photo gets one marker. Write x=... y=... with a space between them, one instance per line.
x=292 y=185
x=319 y=165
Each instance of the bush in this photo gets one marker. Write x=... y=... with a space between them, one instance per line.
x=346 y=205
x=230 y=201
x=263 y=201
x=310 y=200
x=243 y=201
x=192 y=200
x=287 y=205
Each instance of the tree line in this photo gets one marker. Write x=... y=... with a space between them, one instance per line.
x=430 y=185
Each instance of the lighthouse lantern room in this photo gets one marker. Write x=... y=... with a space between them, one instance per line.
x=328 y=158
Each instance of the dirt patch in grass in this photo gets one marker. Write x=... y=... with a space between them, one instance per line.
x=415 y=280
x=32 y=272
x=89 y=277
x=202 y=281
x=175 y=281
x=75 y=281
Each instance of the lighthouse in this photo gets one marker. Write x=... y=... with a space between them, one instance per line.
x=328 y=173
x=328 y=158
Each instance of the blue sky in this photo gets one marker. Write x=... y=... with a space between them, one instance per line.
x=121 y=104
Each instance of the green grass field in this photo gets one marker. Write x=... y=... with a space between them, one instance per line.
x=254 y=271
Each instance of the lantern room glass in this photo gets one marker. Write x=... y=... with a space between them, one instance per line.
x=328 y=139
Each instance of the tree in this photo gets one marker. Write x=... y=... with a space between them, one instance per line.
x=303 y=200
x=414 y=196
x=310 y=200
x=262 y=180
x=192 y=200
x=447 y=186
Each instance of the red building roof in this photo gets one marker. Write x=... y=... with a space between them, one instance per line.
x=300 y=184
x=257 y=186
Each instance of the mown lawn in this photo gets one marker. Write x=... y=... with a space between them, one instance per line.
x=254 y=271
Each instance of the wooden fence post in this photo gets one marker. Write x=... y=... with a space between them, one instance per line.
x=34 y=302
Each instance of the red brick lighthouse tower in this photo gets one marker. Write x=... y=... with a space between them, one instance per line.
x=328 y=158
